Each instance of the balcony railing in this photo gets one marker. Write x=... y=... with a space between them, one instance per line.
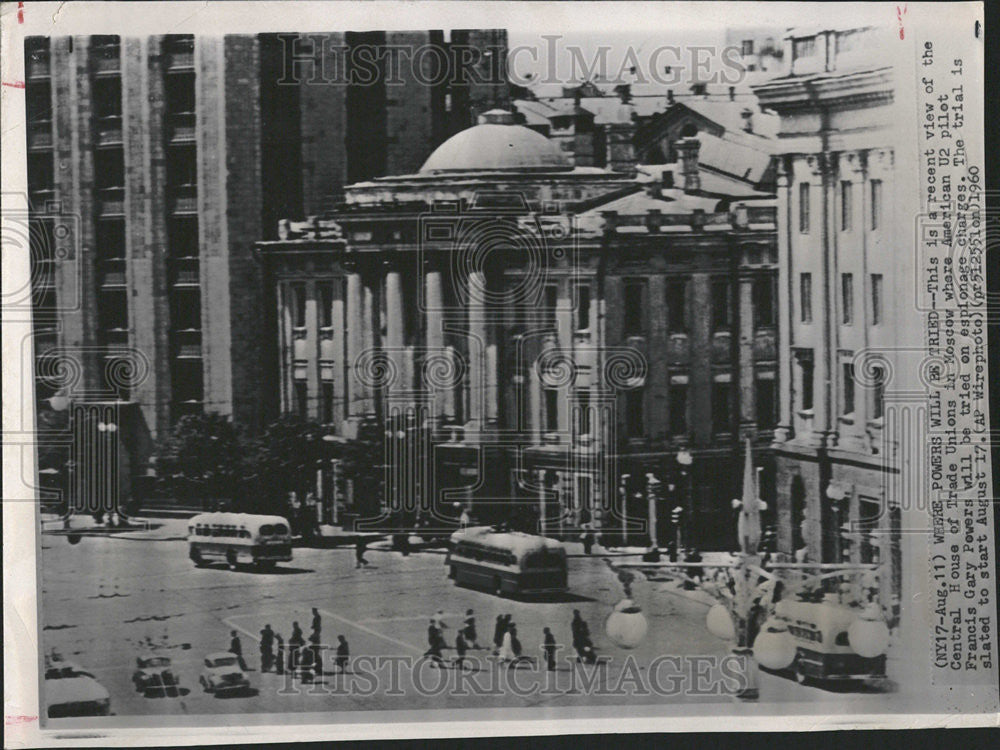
x=181 y=127
x=184 y=199
x=111 y=201
x=109 y=130
x=113 y=273
x=40 y=135
x=37 y=65
x=185 y=272
x=179 y=55
x=187 y=344
x=106 y=60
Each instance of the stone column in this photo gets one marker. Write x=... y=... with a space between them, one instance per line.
x=355 y=343
x=477 y=349
x=369 y=320
x=394 y=334
x=541 y=500
x=829 y=378
x=433 y=304
x=786 y=315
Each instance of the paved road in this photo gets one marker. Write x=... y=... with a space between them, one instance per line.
x=108 y=599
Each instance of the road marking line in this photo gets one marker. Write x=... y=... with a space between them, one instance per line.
x=410 y=619
x=359 y=626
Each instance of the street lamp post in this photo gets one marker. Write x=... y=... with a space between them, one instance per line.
x=623 y=491
x=732 y=617
x=684 y=461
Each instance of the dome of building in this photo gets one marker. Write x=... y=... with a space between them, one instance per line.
x=496 y=143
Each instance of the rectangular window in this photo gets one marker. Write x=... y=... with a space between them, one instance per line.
x=747 y=47
x=298 y=292
x=109 y=168
x=878 y=386
x=634 y=413
x=848 y=387
x=583 y=306
x=551 y=409
x=720 y=407
x=328 y=394
x=766 y=416
x=805 y=297
x=876 y=207
x=846 y=207
x=182 y=167
x=301 y=407
x=678 y=409
x=847 y=298
x=876 y=298
x=551 y=300
x=326 y=305
x=763 y=302
x=633 y=292
x=581 y=420
x=804 y=207
x=676 y=307
x=805 y=381
x=720 y=305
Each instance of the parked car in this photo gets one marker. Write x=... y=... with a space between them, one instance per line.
x=72 y=691
x=223 y=674
x=154 y=674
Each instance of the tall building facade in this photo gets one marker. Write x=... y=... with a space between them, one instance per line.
x=841 y=320
x=170 y=156
x=537 y=338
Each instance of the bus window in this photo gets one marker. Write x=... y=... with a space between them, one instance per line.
x=266 y=530
x=280 y=529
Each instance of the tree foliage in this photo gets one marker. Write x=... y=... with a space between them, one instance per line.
x=202 y=459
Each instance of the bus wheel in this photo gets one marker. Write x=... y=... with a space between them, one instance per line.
x=231 y=559
x=265 y=565
x=197 y=559
x=801 y=678
x=452 y=573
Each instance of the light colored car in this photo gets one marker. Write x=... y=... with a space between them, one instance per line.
x=153 y=673
x=72 y=691
x=223 y=674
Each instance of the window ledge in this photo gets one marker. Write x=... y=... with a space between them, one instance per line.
x=847 y=418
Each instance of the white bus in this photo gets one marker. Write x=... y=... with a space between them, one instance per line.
x=507 y=562
x=239 y=538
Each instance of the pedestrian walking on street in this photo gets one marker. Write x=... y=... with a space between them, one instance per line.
x=317 y=623
x=588 y=540
x=235 y=647
x=343 y=654
x=441 y=625
x=295 y=644
x=434 y=640
x=266 y=648
x=549 y=647
x=498 y=632
x=581 y=635
x=279 y=663
x=359 y=552
x=317 y=653
x=470 y=630
x=507 y=647
x=460 y=648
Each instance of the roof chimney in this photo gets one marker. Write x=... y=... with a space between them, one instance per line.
x=747 y=115
x=732 y=93
x=670 y=96
x=687 y=152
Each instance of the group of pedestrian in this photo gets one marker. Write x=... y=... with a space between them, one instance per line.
x=305 y=661
x=582 y=643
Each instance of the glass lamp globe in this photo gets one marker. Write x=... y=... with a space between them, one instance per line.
x=869 y=635
x=774 y=648
x=720 y=623
x=626 y=625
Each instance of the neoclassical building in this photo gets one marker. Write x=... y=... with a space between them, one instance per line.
x=842 y=298
x=534 y=339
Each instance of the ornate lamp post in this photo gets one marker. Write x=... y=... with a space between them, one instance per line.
x=684 y=461
x=732 y=617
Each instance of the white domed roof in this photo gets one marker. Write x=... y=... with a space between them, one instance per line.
x=497 y=142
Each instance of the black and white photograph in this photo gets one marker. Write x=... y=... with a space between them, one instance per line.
x=374 y=365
